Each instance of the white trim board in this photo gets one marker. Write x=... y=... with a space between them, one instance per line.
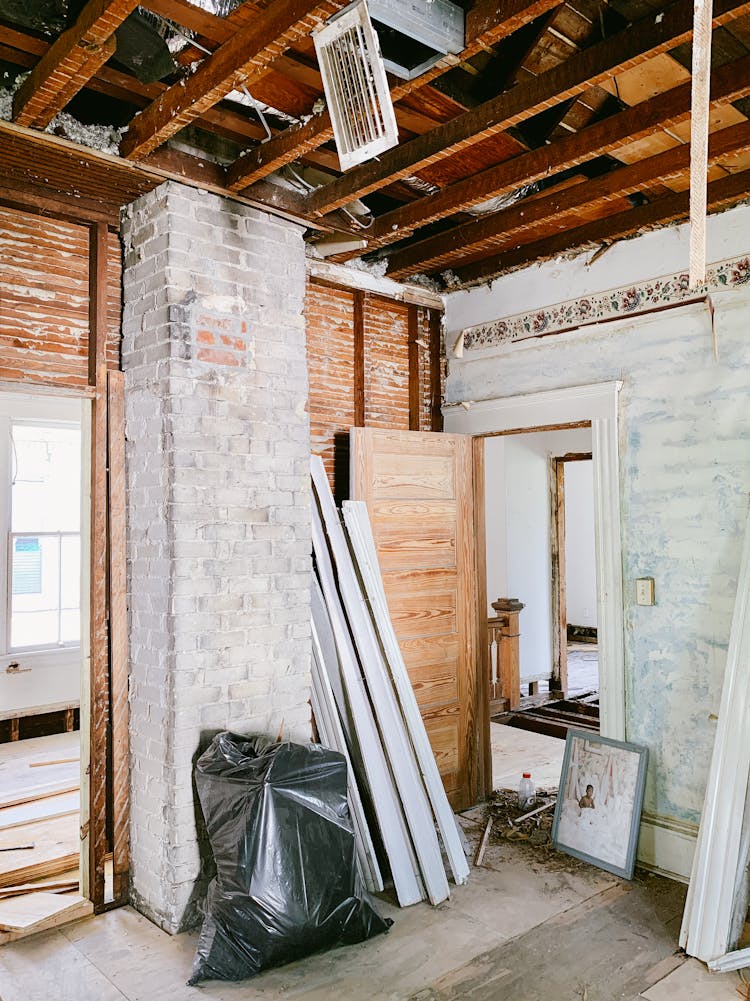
x=387 y=713
x=598 y=404
x=667 y=846
x=389 y=814
x=338 y=274
x=707 y=921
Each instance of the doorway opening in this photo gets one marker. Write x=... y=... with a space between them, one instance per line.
x=43 y=544
x=575 y=652
x=541 y=578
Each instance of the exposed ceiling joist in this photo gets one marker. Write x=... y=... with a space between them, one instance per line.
x=505 y=229
x=491 y=22
x=643 y=40
x=729 y=83
x=70 y=62
x=667 y=209
x=240 y=60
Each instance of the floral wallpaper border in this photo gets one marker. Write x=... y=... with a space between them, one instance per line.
x=629 y=299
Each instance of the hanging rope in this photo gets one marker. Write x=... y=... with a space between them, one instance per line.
x=699 y=121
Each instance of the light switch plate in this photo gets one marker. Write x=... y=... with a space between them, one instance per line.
x=644 y=591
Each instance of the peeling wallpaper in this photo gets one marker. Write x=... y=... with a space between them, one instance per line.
x=685 y=478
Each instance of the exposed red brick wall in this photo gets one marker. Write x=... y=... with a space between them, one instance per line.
x=44 y=300
x=329 y=314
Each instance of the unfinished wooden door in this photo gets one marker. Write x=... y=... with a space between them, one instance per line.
x=419 y=490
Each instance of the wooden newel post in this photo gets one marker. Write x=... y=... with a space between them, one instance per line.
x=505 y=675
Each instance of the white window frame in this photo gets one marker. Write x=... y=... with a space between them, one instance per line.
x=46 y=411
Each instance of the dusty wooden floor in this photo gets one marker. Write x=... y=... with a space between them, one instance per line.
x=520 y=931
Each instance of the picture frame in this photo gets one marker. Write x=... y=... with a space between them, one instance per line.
x=600 y=798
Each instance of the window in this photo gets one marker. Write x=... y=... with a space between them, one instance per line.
x=44 y=536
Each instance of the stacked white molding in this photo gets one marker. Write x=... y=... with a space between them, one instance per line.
x=366 y=642
x=218 y=507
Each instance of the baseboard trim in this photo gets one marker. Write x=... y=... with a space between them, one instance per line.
x=667 y=846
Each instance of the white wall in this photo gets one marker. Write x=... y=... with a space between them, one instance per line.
x=517 y=505
x=684 y=472
x=580 y=555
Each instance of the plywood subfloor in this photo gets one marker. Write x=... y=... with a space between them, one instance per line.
x=511 y=913
x=517 y=751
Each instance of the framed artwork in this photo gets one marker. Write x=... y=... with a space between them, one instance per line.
x=598 y=811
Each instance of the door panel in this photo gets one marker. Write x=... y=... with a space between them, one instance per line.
x=418 y=487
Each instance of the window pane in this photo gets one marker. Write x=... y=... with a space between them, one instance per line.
x=46 y=470
x=35 y=613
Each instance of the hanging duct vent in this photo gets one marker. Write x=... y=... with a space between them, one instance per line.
x=356 y=87
x=415 y=34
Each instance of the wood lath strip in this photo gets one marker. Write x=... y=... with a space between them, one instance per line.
x=729 y=83
x=493 y=22
x=238 y=61
x=643 y=40
x=667 y=209
x=70 y=62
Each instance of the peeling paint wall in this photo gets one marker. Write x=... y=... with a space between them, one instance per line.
x=685 y=473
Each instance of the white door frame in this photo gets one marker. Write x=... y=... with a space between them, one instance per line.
x=597 y=404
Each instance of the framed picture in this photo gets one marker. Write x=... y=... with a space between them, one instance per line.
x=598 y=811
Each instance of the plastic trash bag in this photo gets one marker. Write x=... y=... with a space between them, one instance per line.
x=286 y=881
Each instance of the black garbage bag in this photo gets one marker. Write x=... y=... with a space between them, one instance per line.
x=286 y=880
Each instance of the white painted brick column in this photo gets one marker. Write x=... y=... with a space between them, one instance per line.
x=218 y=508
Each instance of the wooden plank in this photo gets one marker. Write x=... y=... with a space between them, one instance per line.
x=436 y=603
x=559 y=680
x=580 y=72
x=18 y=797
x=60 y=805
x=651 y=117
x=436 y=364
x=82 y=909
x=26 y=913
x=507 y=227
x=70 y=62
x=387 y=809
x=55 y=851
x=359 y=530
x=238 y=61
x=46 y=886
x=387 y=713
x=479 y=715
x=414 y=387
x=99 y=709
x=118 y=637
x=664 y=210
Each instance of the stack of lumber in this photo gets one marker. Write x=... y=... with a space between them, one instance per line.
x=39 y=809
x=365 y=707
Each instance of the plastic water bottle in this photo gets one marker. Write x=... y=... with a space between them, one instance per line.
x=526 y=792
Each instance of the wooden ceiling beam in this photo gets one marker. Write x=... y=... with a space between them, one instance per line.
x=240 y=60
x=505 y=229
x=489 y=21
x=70 y=62
x=492 y=21
x=729 y=83
x=635 y=44
x=669 y=209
